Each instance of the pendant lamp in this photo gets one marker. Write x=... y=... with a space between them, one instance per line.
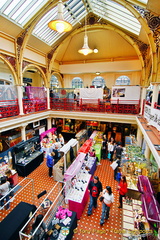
x=85 y=50
x=60 y=25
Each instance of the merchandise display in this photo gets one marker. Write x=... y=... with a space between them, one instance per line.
x=135 y=225
x=90 y=163
x=62 y=225
x=77 y=187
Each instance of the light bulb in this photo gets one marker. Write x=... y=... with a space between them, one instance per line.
x=60 y=27
x=95 y=50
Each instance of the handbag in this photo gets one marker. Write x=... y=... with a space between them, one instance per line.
x=101 y=199
x=114 y=165
x=109 y=155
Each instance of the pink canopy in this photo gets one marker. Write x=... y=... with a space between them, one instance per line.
x=74 y=167
x=52 y=130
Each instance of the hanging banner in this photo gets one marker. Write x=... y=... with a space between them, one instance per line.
x=153 y=116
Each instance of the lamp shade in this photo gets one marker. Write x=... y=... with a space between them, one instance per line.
x=59 y=24
x=85 y=50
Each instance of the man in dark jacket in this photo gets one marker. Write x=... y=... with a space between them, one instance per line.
x=95 y=188
x=118 y=151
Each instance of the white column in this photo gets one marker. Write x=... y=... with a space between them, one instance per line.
x=147 y=152
x=48 y=98
x=155 y=94
x=20 y=96
x=49 y=123
x=139 y=137
x=143 y=96
x=23 y=132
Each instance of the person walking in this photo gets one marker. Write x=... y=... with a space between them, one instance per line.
x=4 y=192
x=50 y=163
x=116 y=169
x=110 y=151
x=118 y=151
x=95 y=188
x=104 y=147
x=106 y=204
x=122 y=187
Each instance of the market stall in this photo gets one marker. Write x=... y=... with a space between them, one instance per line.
x=81 y=137
x=69 y=152
x=76 y=191
x=27 y=156
x=59 y=221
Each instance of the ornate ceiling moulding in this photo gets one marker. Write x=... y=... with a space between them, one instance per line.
x=153 y=22
x=11 y=60
x=142 y=47
x=50 y=54
x=25 y=63
x=20 y=40
x=43 y=69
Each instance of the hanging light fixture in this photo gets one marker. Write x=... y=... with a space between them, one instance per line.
x=85 y=50
x=60 y=25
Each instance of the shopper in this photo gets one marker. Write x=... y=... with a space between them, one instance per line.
x=42 y=228
x=116 y=169
x=60 y=139
x=118 y=151
x=4 y=191
x=104 y=147
x=9 y=175
x=95 y=188
x=118 y=175
x=110 y=151
x=106 y=204
x=50 y=163
x=122 y=187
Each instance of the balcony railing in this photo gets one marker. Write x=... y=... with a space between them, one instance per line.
x=92 y=105
x=9 y=108
x=34 y=105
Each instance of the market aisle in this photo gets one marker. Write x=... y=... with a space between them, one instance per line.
x=88 y=226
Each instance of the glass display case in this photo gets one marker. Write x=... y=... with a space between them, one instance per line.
x=27 y=156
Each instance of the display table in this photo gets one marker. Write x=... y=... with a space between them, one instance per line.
x=31 y=163
x=91 y=164
x=78 y=198
x=79 y=207
x=71 y=226
x=58 y=170
x=15 y=220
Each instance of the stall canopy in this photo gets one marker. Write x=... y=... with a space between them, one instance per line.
x=52 y=130
x=144 y=185
x=86 y=146
x=75 y=167
x=150 y=206
x=93 y=135
x=71 y=143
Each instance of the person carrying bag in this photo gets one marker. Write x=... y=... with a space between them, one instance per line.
x=106 y=204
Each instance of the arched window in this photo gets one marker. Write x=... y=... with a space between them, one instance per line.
x=77 y=82
x=123 y=80
x=54 y=82
x=99 y=82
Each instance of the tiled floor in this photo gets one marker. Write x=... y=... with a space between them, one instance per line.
x=88 y=226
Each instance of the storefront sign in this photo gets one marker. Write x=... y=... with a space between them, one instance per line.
x=153 y=116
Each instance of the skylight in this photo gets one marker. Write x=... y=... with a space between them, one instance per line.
x=21 y=11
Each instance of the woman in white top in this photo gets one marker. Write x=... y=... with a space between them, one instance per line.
x=111 y=150
x=4 y=189
x=107 y=202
